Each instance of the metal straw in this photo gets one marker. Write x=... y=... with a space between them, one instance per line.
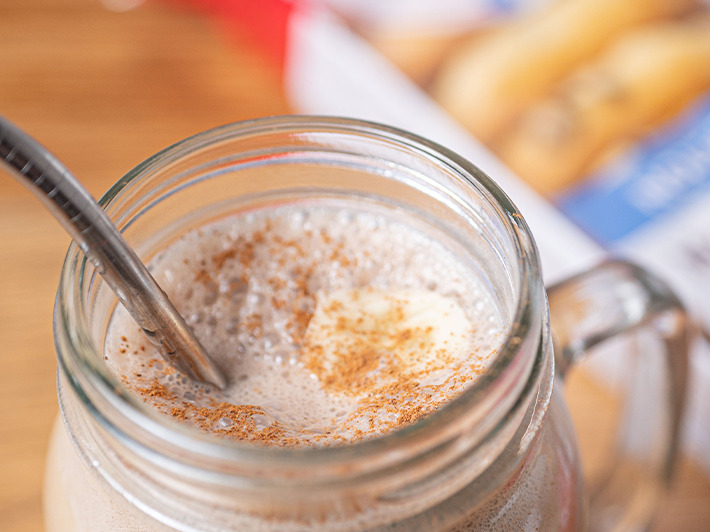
x=102 y=243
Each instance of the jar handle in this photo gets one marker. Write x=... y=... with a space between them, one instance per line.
x=614 y=298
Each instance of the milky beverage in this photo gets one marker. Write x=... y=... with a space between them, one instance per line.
x=334 y=322
x=319 y=317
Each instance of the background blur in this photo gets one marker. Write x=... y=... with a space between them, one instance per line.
x=104 y=90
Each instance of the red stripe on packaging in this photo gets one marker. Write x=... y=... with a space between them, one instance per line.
x=264 y=22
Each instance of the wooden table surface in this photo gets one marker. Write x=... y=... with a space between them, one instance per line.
x=104 y=90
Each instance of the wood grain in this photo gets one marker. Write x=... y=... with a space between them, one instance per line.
x=104 y=90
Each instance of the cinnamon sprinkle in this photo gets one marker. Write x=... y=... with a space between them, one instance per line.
x=374 y=368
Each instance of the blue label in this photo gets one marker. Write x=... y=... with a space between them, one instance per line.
x=659 y=176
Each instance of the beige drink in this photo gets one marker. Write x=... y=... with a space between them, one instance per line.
x=333 y=323
x=377 y=306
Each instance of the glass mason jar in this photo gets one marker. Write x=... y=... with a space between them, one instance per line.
x=501 y=456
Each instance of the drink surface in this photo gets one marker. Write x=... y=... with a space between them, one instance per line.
x=334 y=322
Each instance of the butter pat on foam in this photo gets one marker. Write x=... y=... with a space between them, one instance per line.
x=361 y=339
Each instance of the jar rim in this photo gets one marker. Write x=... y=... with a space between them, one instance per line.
x=99 y=390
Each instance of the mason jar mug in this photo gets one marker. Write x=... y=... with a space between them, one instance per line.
x=502 y=455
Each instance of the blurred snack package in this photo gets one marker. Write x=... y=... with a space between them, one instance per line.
x=489 y=82
x=635 y=86
x=555 y=90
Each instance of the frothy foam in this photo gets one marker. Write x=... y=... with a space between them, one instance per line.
x=333 y=323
